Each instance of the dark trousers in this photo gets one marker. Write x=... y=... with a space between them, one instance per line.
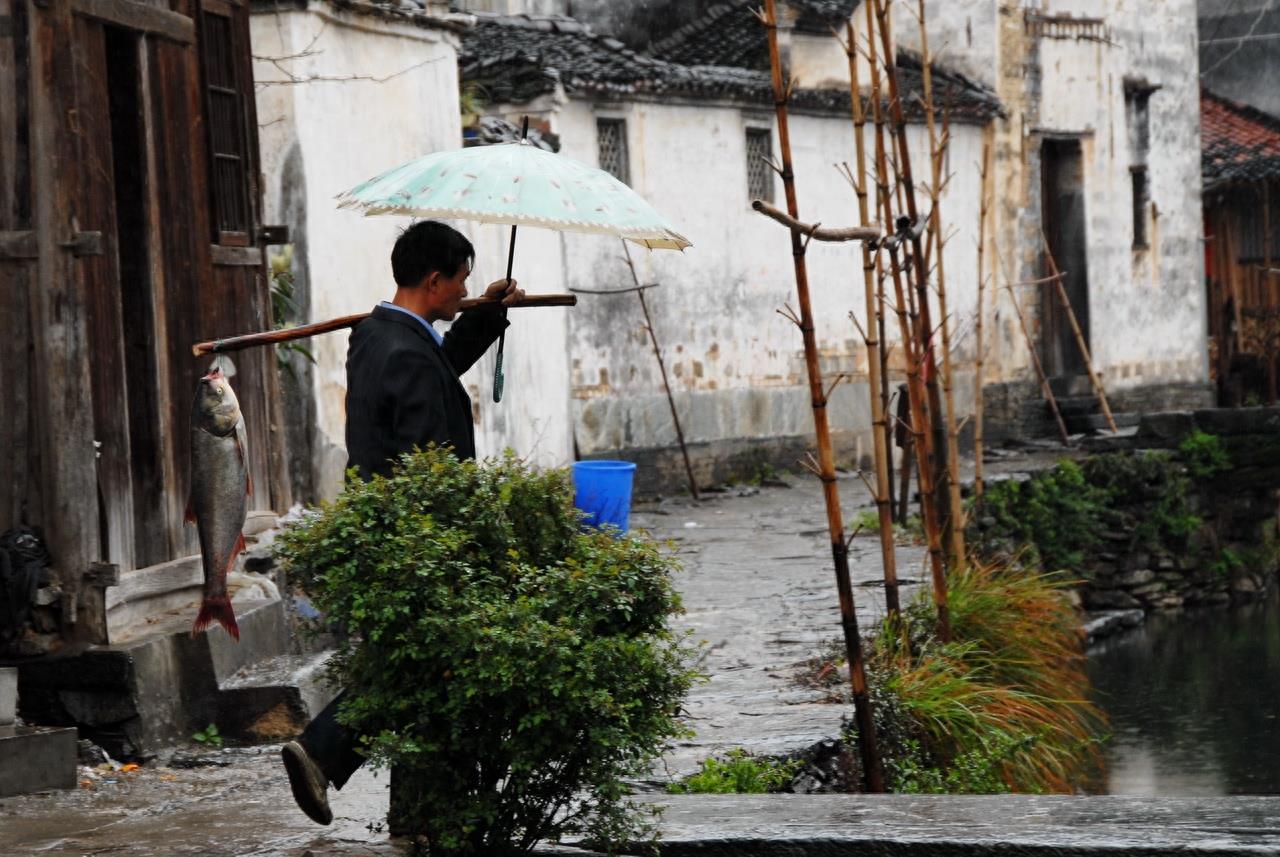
x=332 y=745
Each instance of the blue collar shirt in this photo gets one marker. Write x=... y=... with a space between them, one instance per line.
x=435 y=334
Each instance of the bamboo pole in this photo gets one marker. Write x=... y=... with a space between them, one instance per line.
x=1045 y=389
x=884 y=480
x=1272 y=323
x=884 y=374
x=926 y=455
x=662 y=367
x=826 y=463
x=1075 y=328
x=980 y=356
x=937 y=150
x=288 y=334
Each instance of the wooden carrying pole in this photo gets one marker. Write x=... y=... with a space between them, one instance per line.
x=874 y=779
x=937 y=150
x=1035 y=357
x=1056 y=275
x=884 y=467
x=980 y=356
x=288 y=334
x=926 y=456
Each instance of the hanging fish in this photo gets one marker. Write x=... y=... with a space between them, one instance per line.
x=220 y=487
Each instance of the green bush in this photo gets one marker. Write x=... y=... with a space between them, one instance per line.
x=1057 y=513
x=1204 y=455
x=512 y=667
x=739 y=772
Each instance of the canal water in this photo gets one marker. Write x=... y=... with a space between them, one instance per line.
x=1194 y=703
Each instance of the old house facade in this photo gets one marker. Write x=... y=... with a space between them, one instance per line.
x=1088 y=106
x=130 y=228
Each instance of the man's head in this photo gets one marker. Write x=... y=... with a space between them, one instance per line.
x=430 y=263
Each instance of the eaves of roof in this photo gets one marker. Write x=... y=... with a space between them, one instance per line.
x=516 y=59
x=1238 y=143
x=412 y=12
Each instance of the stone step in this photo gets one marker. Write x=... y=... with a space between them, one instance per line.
x=8 y=696
x=275 y=698
x=36 y=759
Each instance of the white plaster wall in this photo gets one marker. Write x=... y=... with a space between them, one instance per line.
x=328 y=134
x=962 y=33
x=1147 y=307
x=736 y=366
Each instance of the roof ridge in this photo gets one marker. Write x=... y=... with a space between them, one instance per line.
x=682 y=35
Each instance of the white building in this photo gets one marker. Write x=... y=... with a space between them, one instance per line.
x=1094 y=99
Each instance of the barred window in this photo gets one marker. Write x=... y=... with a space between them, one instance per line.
x=759 y=173
x=224 y=97
x=612 y=137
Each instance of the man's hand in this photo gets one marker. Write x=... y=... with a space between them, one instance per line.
x=505 y=289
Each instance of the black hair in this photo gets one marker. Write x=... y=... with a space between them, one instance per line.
x=428 y=246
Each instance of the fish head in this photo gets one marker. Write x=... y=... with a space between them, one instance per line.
x=216 y=410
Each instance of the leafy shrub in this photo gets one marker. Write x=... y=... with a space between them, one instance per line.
x=512 y=667
x=1204 y=455
x=739 y=772
x=1057 y=514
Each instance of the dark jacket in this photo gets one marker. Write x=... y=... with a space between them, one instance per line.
x=403 y=389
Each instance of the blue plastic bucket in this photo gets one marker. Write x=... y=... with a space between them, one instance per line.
x=602 y=489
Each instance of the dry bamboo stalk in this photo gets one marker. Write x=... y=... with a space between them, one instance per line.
x=884 y=479
x=937 y=150
x=815 y=231
x=1045 y=389
x=1075 y=328
x=927 y=456
x=979 y=355
x=826 y=462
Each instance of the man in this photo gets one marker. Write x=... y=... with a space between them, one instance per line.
x=402 y=392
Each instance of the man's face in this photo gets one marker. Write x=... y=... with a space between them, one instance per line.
x=449 y=291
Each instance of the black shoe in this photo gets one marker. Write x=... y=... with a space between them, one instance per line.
x=309 y=784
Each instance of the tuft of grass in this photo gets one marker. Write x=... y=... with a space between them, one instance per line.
x=738 y=772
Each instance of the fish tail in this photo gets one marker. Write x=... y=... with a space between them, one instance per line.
x=216 y=609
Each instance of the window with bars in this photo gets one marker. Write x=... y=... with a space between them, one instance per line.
x=759 y=173
x=611 y=135
x=228 y=156
x=1138 y=118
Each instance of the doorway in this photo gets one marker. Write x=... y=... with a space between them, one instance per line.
x=1063 y=216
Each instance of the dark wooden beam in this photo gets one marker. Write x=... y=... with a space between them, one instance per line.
x=245 y=256
x=139 y=16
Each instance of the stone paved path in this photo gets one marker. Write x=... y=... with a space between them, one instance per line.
x=759 y=588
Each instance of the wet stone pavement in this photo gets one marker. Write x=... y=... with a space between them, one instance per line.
x=758 y=588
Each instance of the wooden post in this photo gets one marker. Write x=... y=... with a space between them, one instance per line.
x=662 y=367
x=884 y=479
x=826 y=464
x=926 y=454
x=1075 y=328
x=1271 y=327
x=1045 y=389
x=938 y=149
x=980 y=356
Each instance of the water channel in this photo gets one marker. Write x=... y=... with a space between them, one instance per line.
x=1194 y=703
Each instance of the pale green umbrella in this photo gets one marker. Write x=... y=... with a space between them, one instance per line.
x=514 y=184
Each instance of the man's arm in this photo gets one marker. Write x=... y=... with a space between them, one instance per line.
x=473 y=333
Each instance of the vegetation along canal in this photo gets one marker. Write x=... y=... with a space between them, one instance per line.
x=1194 y=702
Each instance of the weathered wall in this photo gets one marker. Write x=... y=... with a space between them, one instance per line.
x=1147 y=306
x=347 y=97
x=736 y=366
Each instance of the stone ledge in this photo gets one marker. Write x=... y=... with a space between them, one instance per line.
x=943 y=826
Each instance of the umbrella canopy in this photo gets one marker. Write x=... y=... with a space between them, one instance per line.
x=515 y=184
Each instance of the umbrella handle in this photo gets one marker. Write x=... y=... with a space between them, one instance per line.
x=499 y=379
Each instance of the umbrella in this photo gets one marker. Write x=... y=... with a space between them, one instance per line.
x=514 y=184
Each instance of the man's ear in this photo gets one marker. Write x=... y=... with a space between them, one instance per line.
x=430 y=281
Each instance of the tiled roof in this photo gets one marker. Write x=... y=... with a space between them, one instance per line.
x=729 y=34
x=1238 y=143
x=518 y=58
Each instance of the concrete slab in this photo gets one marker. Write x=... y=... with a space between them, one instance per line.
x=36 y=759
x=944 y=826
